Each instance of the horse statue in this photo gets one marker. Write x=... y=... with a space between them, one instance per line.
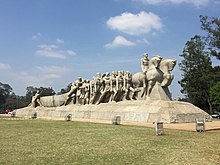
x=139 y=82
x=147 y=80
x=166 y=66
x=154 y=74
x=158 y=73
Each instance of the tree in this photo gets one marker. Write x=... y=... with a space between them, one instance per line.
x=214 y=93
x=197 y=72
x=212 y=27
x=44 y=91
x=30 y=92
x=5 y=91
x=67 y=89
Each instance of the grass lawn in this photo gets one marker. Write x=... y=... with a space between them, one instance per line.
x=59 y=142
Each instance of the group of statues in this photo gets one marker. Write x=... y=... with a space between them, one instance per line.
x=103 y=88
x=117 y=86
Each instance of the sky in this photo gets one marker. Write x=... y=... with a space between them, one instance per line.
x=51 y=43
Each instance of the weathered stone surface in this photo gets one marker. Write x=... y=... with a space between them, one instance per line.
x=141 y=111
x=143 y=98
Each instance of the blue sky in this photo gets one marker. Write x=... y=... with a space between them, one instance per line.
x=51 y=43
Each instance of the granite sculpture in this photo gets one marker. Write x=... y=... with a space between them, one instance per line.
x=118 y=86
x=143 y=97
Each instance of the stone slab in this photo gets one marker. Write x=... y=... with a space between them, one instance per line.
x=140 y=111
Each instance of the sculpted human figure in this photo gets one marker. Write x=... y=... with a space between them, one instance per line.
x=113 y=85
x=71 y=94
x=95 y=88
x=78 y=83
x=144 y=63
x=84 y=92
x=36 y=100
x=128 y=88
x=119 y=86
x=106 y=90
x=87 y=91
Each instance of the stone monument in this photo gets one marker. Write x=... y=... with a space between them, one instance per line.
x=143 y=97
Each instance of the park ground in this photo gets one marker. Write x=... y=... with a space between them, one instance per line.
x=35 y=141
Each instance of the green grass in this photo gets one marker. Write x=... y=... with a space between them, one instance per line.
x=59 y=142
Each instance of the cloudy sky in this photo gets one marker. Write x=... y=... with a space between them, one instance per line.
x=51 y=43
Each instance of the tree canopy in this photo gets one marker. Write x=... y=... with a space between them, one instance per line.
x=212 y=27
x=5 y=91
x=9 y=100
x=214 y=93
x=197 y=72
x=199 y=76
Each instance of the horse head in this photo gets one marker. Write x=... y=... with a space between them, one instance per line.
x=154 y=62
x=167 y=65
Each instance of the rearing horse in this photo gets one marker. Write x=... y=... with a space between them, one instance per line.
x=154 y=74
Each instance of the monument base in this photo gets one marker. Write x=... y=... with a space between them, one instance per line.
x=136 y=111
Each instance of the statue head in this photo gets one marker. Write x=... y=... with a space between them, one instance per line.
x=145 y=55
x=155 y=61
x=80 y=79
x=167 y=65
x=98 y=75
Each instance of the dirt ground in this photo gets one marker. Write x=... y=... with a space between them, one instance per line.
x=209 y=126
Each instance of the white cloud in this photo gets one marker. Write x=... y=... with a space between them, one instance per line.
x=59 y=41
x=53 y=69
x=197 y=3
x=4 y=66
x=143 y=40
x=48 y=47
x=119 y=41
x=37 y=80
x=70 y=52
x=51 y=51
x=135 y=24
x=36 y=36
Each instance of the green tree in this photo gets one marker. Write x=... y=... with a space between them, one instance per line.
x=214 y=93
x=44 y=91
x=197 y=72
x=30 y=91
x=67 y=89
x=5 y=91
x=212 y=27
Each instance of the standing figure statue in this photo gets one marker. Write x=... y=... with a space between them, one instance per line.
x=79 y=84
x=144 y=63
x=36 y=100
x=87 y=91
x=71 y=94
x=119 y=86
x=84 y=90
x=128 y=88
x=113 y=85
x=95 y=88
x=106 y=90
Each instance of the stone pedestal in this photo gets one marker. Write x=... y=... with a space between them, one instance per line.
x=139 y=111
